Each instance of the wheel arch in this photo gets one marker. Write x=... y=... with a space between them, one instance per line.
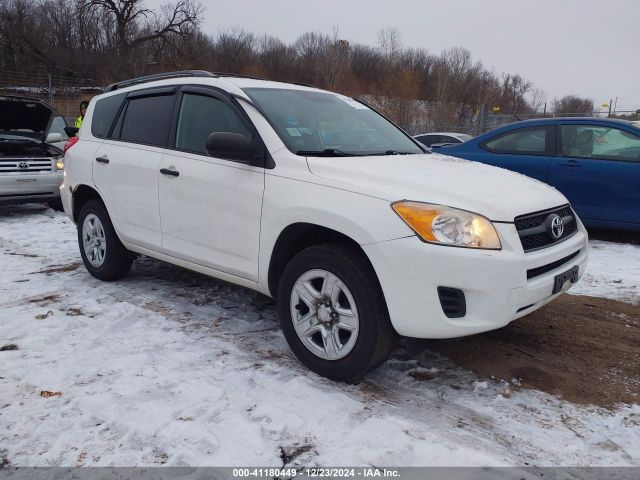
x=81 y=195
x=295 y=238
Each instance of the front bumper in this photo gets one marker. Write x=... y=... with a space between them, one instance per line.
x=30 y=187
x=494 y=283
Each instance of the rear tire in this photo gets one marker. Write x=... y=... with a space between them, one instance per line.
x=327 y=294
x=102 y=252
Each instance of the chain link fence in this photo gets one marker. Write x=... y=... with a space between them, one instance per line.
x=414 y=116
x=422 y=116
x=63 y=93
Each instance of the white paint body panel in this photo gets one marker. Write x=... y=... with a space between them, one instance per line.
x=129 y=187
x=210 y=214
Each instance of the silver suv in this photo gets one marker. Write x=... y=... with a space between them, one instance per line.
x=31 y=157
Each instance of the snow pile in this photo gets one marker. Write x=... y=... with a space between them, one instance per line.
x=613 y=272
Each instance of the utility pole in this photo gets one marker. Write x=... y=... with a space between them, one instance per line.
x=544 y=114
x=50 y=88
x=610 y=102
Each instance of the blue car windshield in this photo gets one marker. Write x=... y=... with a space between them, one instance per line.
x=315 y=123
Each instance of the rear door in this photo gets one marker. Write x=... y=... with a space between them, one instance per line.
x=211 y=207
x=598 y=170
x=527 y=150
x=126 y=166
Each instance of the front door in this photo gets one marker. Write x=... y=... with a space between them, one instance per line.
x=210 y=207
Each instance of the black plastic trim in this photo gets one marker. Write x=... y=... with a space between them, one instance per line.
x=452 y=301
x=536 y=272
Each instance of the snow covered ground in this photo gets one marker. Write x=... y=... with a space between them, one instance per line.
x=167 y=367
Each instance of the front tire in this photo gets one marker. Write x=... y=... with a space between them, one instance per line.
x=333 y=313
x=102 y=252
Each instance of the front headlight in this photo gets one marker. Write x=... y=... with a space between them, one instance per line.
x=60 y=163
x=448 y=226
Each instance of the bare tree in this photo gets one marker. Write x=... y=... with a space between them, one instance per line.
x=390 y=43
x=136 y=25
x=572 y=105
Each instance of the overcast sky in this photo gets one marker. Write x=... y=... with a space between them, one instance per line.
x=587 y=47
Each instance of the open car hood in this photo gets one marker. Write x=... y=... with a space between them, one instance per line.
x=24 y=116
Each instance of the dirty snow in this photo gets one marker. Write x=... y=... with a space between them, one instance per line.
x=613 y=272
x=167 y=367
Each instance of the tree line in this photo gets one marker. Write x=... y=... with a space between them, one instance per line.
x=109 y=40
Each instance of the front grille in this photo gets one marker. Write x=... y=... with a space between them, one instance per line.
x=26 y=165
x=536 y=272
x=534 y=232
x=453 y=302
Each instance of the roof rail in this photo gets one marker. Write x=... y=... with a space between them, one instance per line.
x=227 y=74
x=160 y=76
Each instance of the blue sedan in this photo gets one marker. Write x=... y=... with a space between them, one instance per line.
x=594 y=162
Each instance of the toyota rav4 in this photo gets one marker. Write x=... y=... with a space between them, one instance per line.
x=317 y=200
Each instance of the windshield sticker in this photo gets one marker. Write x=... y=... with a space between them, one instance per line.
x=292 y=121
x=305 y=131
x=352 y=103
x=294 y=132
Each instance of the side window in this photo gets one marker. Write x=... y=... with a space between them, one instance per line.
x=447 y=139
x=147 y=120
x=530 y=141
x=104 y=113
x=593 y=141
x=57 y=126
x=426 y=139
x=199 y=117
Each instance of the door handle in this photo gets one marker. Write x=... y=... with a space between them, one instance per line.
x=103 y=159
x=570 y=163
x=169 y=171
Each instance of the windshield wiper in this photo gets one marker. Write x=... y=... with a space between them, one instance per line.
x=327 y=152
x=396 y=152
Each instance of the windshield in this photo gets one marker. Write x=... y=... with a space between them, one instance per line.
x=327 y=124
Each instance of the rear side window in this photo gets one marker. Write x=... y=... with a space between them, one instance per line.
x=147 y=120
x=530 y=141
x=104 y=113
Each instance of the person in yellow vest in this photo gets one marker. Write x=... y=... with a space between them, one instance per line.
x=83 y=109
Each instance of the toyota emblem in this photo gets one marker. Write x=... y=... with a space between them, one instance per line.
x=556 y=227
x=23 y=165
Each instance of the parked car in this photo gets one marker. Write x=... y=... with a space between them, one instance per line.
x=31 y=160
x=360 y=238
x=438 y=139
x=594 y=162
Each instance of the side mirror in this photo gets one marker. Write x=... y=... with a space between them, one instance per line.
x=71 y=131
x=230 y=146
x=54 y=138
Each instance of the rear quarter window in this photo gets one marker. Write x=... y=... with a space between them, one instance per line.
x=104 y=113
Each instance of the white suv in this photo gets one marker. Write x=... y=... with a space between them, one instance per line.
x=317 y=200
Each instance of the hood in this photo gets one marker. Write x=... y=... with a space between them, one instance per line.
x=25 y=116
x=496 y=193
